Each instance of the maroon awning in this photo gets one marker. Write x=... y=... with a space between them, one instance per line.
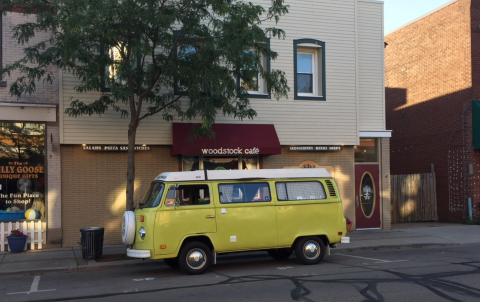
x=230 y=139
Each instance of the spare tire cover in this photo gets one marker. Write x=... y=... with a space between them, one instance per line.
x=128 y=227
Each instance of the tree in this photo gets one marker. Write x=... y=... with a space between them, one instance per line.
x=177 y=58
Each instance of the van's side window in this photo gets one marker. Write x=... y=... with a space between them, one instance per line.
x=244 y=192
x=300 y=190
x=188 y=195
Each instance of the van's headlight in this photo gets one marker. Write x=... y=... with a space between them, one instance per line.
x=142 y=233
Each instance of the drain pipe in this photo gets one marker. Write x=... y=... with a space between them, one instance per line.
x=470 y=208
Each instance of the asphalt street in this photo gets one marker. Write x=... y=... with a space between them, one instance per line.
x=448 y=273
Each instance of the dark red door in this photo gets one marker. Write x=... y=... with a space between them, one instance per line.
x=367 y=196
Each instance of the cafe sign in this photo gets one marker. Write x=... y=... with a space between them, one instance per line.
x=316 y=148
x=113 y=148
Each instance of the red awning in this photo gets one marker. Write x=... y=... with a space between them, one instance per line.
x=230 y=139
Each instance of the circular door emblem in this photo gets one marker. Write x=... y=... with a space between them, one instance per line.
x=367 y=193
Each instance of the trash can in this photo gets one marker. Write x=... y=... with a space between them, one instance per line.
x=92 y=242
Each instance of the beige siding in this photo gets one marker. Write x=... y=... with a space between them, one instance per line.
x=333 y=121
x=371 y=87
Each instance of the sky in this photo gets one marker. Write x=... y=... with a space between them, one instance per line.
x=400 y=12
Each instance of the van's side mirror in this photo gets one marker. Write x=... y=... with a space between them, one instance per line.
x=177 y=202
x=177 y=186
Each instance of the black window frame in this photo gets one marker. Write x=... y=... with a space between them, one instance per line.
x=268 y=95
x=2 y=82
x=103 y=76
x=321 y=73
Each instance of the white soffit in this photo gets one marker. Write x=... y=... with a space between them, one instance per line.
x=378 y=133
x=28 y=112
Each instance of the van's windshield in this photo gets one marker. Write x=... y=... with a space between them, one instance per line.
x=153 y=196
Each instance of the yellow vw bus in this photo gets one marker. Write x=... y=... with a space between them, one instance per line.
x=187 y=218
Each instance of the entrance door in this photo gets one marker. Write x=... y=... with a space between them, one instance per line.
x=367 y=196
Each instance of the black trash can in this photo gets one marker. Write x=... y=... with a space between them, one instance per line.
x=92 y=242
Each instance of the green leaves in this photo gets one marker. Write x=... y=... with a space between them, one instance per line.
x=128 y=50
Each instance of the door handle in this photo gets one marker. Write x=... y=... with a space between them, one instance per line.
x=210 y=217
x=356 y=201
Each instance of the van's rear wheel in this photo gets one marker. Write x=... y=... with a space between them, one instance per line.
x=310 y=250
x=195 y=258
x=280 y=254
x=172 y=262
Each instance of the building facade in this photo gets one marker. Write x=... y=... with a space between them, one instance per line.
x=432 y=69
x=30 y=162
x=339 y=124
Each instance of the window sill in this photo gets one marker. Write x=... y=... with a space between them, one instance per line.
x=258 y=96
x=309 y=98
x=3 y=84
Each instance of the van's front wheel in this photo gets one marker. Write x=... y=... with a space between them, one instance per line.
x=195 y=258
x=309 y=250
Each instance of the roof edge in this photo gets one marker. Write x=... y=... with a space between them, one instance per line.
x=421 y=17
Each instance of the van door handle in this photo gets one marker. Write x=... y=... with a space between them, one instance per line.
x=210 y=217
x=356 y=201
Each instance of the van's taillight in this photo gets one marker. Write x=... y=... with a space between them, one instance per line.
x=142 y=218
x=339 y=233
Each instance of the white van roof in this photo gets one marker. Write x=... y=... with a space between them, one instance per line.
x=243 y=174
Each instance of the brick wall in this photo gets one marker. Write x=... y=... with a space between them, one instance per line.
x=94 y=183
x=428 y=67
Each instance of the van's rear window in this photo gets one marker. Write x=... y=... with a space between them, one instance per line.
x=300 y=190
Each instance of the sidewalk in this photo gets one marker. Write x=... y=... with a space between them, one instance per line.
x=401 y=235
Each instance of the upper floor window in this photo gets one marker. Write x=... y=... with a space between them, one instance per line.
x=309 y=65
x=250 y=78
x=2 y=82
x=111 y=73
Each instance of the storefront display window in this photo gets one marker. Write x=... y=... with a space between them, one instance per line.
x=192 y=163
x=22 y=171
x=366 y=151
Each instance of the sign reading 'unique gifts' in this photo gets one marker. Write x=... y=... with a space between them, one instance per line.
x=17 y=170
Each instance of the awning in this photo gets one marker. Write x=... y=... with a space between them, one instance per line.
x=476 y=124
x=230 y=139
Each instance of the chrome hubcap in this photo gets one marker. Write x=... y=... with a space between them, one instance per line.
x=311 y=249
x=196 y=259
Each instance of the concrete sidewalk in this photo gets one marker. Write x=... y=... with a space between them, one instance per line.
x=401 y=235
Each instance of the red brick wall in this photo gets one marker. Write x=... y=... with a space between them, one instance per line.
x=428 y=67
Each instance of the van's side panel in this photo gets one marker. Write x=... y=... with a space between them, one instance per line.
x=244 y=226
x=173 y=224
x=309 y=218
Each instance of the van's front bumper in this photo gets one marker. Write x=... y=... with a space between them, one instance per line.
x=138 y=253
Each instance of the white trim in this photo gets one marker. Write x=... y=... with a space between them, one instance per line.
x=421 y=17
x=199 y=175
x=27 y=105
x=28 y=112
x=138 y=253
x=314 y=53
x=376 y=133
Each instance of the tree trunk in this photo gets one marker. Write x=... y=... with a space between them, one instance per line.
x=132 y=132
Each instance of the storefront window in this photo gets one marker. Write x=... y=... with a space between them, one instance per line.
x=22 y=171
x=366 y=151
x=193 y=163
